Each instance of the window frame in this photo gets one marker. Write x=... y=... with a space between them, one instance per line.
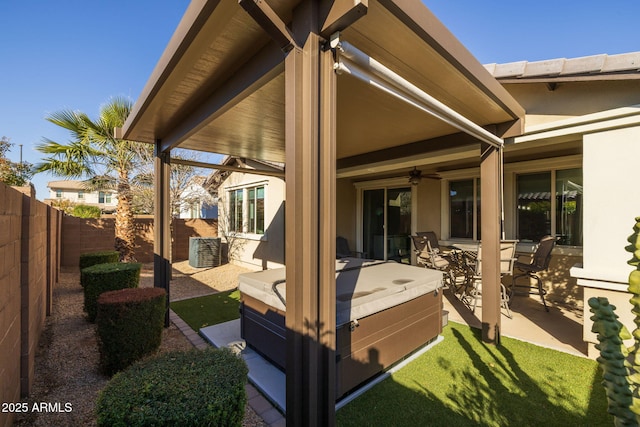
x=511 y=170
x=104 y=197
x=475 y=182
x=244 y=189
x=553 y=165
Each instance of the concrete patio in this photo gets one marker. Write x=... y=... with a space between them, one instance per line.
x=559 y=329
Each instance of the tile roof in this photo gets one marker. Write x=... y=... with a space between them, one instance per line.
x=625 y=63
x=67 y=185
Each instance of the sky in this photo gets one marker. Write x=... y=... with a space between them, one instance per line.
x=77 y=54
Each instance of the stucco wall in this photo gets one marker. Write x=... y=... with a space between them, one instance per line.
x=557 y=280
x=89 y=235
x=572 y=99
x=256 y=252
x=346 y=222
x=611 y=203
x=429 y=206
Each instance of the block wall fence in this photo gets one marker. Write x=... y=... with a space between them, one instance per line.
x=29 y=265
x=88 y=235
x=35 y=241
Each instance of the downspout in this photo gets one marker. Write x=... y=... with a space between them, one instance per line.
x=503 y=234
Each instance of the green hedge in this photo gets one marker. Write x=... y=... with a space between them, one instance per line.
x=86 y=211
x=102 y=257
x=129 y=326
x=195 y=388
x=107 y=277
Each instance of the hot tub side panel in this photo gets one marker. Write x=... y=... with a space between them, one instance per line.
x=385 y=338
x=363 y=351
x=263 y=329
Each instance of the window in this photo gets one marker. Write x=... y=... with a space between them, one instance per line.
x=235 y=210
x=464 y=202
x=246 y=210
x=194 y=210
x=540 y=214
x=80 y=194
x=58 y=194
x=104 y=197
x=256 y=210
x=534 y=206
x=569 y=207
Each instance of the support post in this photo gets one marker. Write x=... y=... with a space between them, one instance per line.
x=310 y=228
x=162 y=224
x=327 y=237
x=490 y=223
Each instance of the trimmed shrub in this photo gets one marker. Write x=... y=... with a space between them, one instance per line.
x=102 y=257
x=194 y=388
x=107 y=277
x=86 y=211
x=130 y=323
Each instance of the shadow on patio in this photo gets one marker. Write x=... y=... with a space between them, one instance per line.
x=560 y=328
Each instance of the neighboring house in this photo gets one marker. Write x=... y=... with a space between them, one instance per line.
x=76 y=192
x=251 y=212
x=196 y=202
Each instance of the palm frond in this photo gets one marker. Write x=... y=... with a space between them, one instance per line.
x=116 y=110
x=74 y=121
x=49 y=146
x=112 y=115
x=62 y=168
x=74 y=159
x=100 y=182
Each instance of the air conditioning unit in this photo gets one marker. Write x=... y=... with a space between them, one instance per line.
x=205 y=252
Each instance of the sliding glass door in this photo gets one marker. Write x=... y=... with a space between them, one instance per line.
x=386 y=223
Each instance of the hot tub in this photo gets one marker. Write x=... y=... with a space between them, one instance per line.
x=384 y=312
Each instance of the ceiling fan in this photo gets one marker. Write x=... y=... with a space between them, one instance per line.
x=416 y=175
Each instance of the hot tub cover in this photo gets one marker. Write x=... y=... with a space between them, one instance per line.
x=363 y=287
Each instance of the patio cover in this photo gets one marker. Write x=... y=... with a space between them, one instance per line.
x=257 y=80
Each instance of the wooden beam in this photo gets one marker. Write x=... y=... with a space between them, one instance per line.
x=270 y=22
x=255 y=73
x=162 y=224
x=340 y=14
x=490 y=225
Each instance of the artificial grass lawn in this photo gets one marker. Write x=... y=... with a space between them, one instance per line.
x=463 y=382
x=208 y=310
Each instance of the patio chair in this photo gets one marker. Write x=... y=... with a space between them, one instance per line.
x=343 y=250
x=428 y=254
x=430 y=236
x=539 y=263
x=507 y=262
x=462 y=271
x=429 y=257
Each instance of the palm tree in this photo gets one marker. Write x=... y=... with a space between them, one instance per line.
x=95 y=153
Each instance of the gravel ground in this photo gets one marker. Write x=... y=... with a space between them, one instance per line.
x=66 y=370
